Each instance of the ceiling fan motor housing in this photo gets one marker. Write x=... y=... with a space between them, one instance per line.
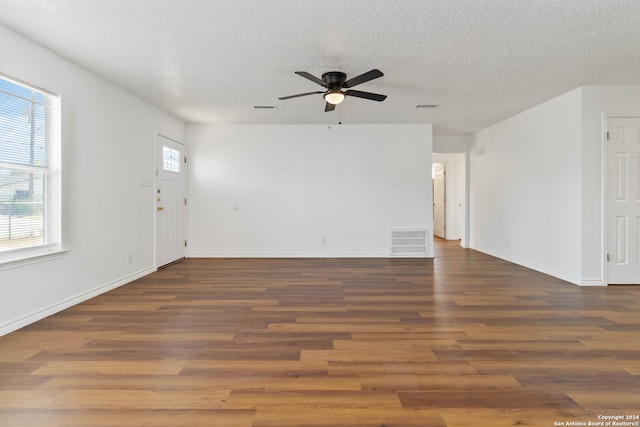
x=334 y=79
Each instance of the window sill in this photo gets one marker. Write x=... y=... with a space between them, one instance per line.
x=22 y=259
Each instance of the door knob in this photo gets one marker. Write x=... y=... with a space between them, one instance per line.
x=160 y=208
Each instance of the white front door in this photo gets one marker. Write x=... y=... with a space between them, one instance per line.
x=623 y=201
x=439 y=200
x=170 y=201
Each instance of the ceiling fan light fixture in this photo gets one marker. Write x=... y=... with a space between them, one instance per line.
x=334 y=96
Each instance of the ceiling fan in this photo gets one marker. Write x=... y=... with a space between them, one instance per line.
x=335 y=81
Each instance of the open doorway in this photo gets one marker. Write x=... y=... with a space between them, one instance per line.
x=454 y=196
x=439 y=200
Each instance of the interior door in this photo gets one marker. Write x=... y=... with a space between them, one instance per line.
x=170 y=201
x=623 y=201
x=439 y=197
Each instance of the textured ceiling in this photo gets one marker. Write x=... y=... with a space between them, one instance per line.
x=208 y=61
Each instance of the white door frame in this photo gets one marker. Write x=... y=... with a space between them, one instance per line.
x=157 y=146
x=603 y=185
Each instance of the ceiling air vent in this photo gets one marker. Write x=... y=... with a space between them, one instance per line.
x=265 y=107
x=409 y=242
x=431 y=106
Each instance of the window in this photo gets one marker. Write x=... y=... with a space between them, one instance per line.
x=170 y=160
x=29 y=169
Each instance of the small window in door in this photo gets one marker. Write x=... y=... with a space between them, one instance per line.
x=170 y=160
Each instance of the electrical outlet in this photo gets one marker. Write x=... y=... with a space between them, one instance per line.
x=324 y=240
x=129 y=258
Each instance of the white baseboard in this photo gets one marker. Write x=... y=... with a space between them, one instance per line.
x=21 y=322
x=593 y=282
x=571 y=279
x=300 y=255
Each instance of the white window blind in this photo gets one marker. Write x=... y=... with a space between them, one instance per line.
x=29 y=167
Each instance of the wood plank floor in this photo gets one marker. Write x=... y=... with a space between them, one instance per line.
x=464 y=340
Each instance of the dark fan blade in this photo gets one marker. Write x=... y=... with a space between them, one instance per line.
x=366 y=95
x=329 y=107
x=300 y=94
x=312 y=78
x=370 y=75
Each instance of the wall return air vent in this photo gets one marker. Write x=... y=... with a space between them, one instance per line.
x=409 y=243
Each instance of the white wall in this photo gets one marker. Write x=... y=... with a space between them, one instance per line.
x=107 y=190
x=279 y=190
x=540 y=180
x=452 y=143
x=455 y=193
x=526 y=188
